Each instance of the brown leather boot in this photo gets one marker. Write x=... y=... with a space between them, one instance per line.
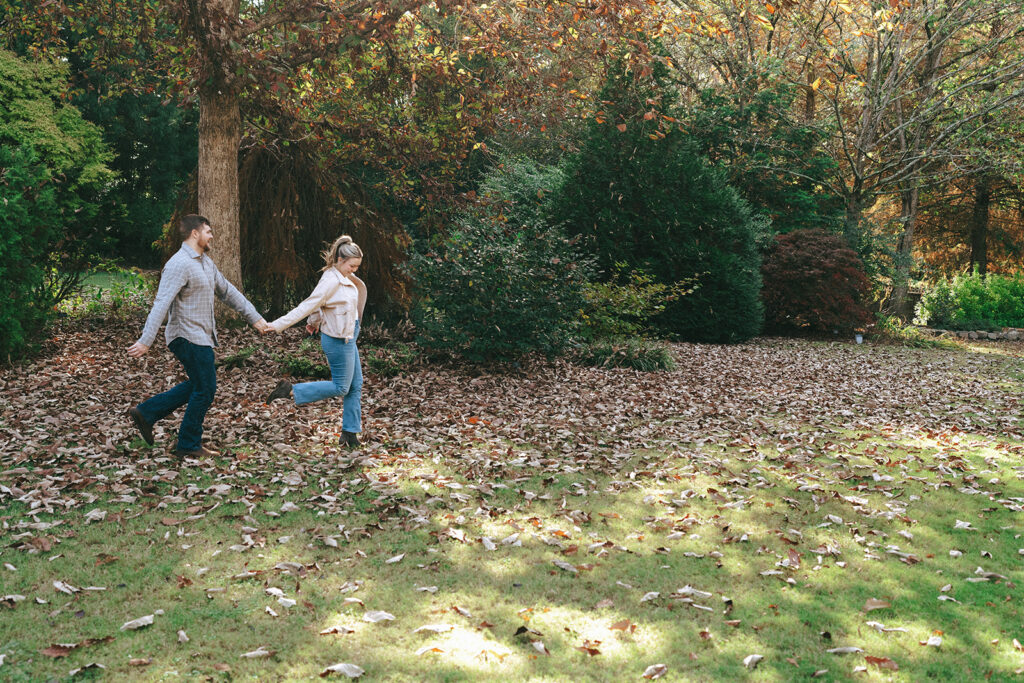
x=201 y=452
x=144 y=427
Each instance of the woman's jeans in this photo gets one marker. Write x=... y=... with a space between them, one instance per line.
x=346 y=380
x=197 y=391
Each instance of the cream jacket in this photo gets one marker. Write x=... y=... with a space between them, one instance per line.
x=334 y=305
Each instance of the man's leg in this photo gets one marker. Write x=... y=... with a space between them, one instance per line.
x=202 y=375
x=162 y=405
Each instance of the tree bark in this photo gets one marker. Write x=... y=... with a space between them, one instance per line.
x=220 y=130
x=810 y=96
x=979 y=223
x=901 y=278
x=854 y=214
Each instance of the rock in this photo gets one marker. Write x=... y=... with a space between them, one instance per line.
x=993 y=335
x=1012 y=335
x=972 y=335
x=962 y=334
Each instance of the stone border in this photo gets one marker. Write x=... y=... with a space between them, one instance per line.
x=1006 y=334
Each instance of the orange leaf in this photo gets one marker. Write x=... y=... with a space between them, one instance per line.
x=882 y=663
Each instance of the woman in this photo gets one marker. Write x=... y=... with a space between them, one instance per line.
x=335 y=308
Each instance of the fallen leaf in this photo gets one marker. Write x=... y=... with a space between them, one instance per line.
x=624 y=625
x=873 y=604
x=344 y=668
x=136 y=624
x=655 y=671
x=882 y=663
x=374 y=616
x=59 y=650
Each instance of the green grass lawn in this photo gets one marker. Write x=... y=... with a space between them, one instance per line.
x=581 y=525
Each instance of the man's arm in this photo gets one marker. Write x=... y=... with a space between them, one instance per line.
x=171 y=281
x=230 y=295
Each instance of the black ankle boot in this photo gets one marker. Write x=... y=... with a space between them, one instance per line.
x=350 y=439
x=282 y=390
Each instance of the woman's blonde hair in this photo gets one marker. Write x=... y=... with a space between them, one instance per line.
x=342 y=248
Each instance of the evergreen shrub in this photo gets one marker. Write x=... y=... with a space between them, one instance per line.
x=974 y=302
x=814 y=282
x=28 y=213
x=494 y=291
x=639 y=193
x=53 y=183
x=504 y=282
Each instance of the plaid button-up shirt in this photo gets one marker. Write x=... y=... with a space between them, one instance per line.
x=188 y=284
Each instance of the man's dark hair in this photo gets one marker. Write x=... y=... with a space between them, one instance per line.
x=189 y=223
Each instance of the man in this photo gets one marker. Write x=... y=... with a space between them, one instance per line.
x=185 y=298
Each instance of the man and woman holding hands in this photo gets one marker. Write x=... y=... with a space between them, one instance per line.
x=185 y=299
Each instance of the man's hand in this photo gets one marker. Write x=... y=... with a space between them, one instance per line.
x=311 y=328
x=263 y=326
x=137 y=350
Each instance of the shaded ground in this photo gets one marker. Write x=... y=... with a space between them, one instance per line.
x=778 y=499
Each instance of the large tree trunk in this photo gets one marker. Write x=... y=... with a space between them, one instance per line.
x=853 y=216
x=979 y=223
x=904 y=257
x=220 y=130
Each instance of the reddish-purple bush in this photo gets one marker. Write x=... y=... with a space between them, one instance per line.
x=813 y=282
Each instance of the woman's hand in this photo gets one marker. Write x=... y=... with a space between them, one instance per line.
x=311 y=328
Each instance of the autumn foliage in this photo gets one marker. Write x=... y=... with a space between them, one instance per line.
x=813 y=282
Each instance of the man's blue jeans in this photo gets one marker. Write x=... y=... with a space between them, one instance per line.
x=346 y=380
x=197 y=391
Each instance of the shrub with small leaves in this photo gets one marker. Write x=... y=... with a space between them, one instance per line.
x=628 y=352
x=623 y=305
x=813 y=282
x=494 y=291
x=894 y=331
x=237 y=360
x=306 y=363
x=974 y=302
x=388 y=360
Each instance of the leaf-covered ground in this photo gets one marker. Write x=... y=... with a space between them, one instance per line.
x=771 y=511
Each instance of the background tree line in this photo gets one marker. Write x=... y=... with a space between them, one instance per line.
x=665 y=145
